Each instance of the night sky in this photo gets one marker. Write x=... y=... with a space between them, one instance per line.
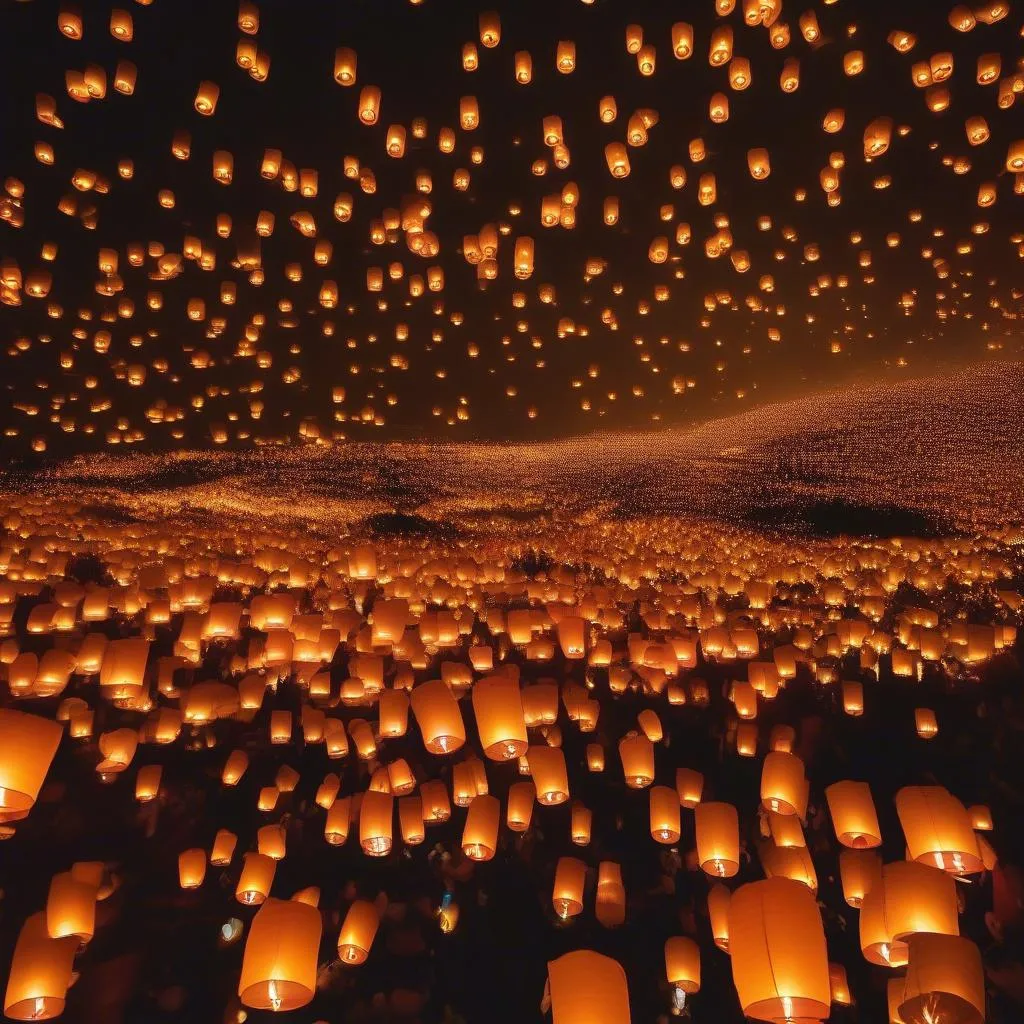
x=917 y=305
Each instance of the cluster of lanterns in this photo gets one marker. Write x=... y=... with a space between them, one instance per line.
x=502 y=685
x=717 y=150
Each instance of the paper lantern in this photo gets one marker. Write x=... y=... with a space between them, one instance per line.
x=779 y=959
x=234 y=767
x=480 y=835
x=719 y=899
x=945 y=981
x=588 y=988
x=28 y=744
x=223 y=848
x=279 y=965
x=339 y=821
x=436 y=806
x=548 y=771
x=521 y=798
x=637 y=754
x=665 y=827
x=911 y=898
x=438 y=716
x=718 y=838
x=682 y=963
x=853 y=815
x=938 y=829
x=357 y=933
x=191 y=868
x=375 y=814
x=271 y=841
x=610 y=899
x=981 y=818
x=689 y=786
x=572 y=636
x=839 y=986
x=567 y=894
x=926 y=723
x=860 y=871
x=410 y=820
x=788 y=862
x=41 y=972
x=71 y=908
x=783 y=785
x=256 y=879
x=498 y=709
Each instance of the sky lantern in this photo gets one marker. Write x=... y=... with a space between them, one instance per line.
x=937 y=829
x=718 y=840
x=358 y=931
x=945 y=980
x=438 y=716
x=279 y=965
x=777 y=944
x=41 y=972
x=498 y=710
x=910 y=899
x=28 y=744
x=587 y=988
x=853 y=815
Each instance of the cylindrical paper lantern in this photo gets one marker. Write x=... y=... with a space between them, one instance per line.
x=945 y=981
x=256 y=879
x=375 y=814
x=480 y=836
x=357 y=932
x=853 y=815
x=567 y=894
x=40 y=971
x=718 y=838
x=779 y=959
x=588 y=988
x=682 y=963
x=281 y=953
x=28 y=744
x=498 y=709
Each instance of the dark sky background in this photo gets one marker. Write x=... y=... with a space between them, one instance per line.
x=413 y=54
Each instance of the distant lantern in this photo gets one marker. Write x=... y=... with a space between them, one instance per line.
x=191 y=868
x=206 y=98
x=369 y=104
x=345 y=63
